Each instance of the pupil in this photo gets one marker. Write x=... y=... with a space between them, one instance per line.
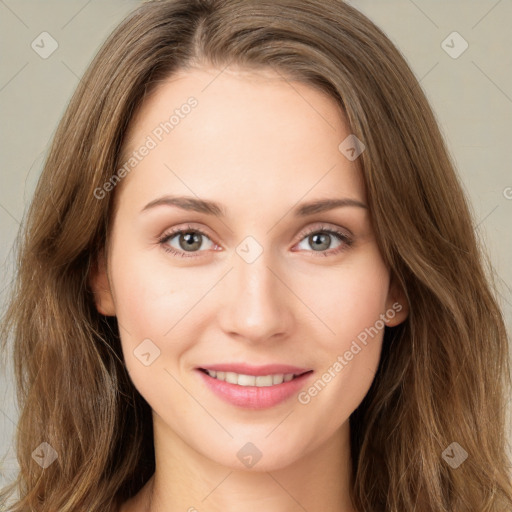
x=190 y=240
x=319 y=239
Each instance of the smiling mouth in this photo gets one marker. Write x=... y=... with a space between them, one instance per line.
x=252 y=380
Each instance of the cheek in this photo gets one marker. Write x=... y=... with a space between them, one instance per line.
x=350 y=298
x=151 y=307
x=349 y=351
x=151 y=297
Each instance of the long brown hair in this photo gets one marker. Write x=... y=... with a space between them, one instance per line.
x=444 y=373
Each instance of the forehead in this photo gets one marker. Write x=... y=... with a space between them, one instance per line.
x=248 y=132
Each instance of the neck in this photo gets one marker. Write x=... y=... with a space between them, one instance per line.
x=187 y=480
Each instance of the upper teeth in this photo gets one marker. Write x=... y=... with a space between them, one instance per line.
x=251 y=380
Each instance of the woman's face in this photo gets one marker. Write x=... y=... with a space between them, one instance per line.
x=261 y=278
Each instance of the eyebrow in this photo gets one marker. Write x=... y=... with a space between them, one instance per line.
x=216 y=209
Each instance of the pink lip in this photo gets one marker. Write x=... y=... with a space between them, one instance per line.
x=254 y=397
x=246 y=369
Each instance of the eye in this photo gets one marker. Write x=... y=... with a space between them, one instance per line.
x=190 y=240
x=320 y=238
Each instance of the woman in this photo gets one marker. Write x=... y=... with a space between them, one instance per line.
x=185 y=341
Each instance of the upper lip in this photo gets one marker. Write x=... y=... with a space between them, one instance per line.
x=246 y=369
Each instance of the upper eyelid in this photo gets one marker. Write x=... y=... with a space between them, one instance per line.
x=174 y=231
x=325 y=227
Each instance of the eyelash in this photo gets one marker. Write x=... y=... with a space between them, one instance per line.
x=343 y=237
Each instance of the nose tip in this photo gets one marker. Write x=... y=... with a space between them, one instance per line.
x=257 y=305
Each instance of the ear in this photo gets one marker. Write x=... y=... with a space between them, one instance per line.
x=100 y=286
x=397 y=305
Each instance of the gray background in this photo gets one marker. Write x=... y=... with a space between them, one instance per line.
x=471 y=96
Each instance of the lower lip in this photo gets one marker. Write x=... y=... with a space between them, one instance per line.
x=254 y=397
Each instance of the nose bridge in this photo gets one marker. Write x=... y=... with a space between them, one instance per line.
x=258 y=305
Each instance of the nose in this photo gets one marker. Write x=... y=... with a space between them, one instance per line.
x=259 y=306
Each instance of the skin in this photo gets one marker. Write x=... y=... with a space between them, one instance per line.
x=259 y=145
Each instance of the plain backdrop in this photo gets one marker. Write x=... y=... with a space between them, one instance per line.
x=469 y=88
